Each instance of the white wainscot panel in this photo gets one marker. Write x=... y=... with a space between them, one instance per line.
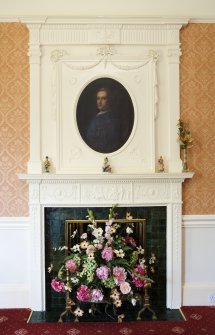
x=14 y=262
x=198 y=264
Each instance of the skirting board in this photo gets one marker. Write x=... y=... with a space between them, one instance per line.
x=14 y=296
x=199 y=294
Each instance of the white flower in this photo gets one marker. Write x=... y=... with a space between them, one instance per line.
x=97 y=232
x=83 y=236
x=128 y=216
x=74 y=233
x=133 y=301
x=118 y=303
x=152 y=259
x=78 y=312
x=116 y=225
x=74 y=280
x=63 y=248
x=76 y=248
x=119 y=253
x=129 y=230
x=109 y=223
x=68 y=287
x=112 y=230
x=84 y=245
x=50 y=268
x=142 y=261
x=140 y=250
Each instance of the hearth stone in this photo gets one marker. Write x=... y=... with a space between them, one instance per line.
x=163 y=314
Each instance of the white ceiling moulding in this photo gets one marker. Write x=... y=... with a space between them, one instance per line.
x=202 y=20
x=100 y=19
x=103 y=19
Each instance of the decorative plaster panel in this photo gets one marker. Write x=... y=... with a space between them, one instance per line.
x=60 y=194
x=147 y=193
x=72 y=78
x=111 y=33
x=106 y=193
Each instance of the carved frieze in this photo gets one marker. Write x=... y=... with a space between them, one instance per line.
x=152 y=192
x=63 y=193
x=106 y=193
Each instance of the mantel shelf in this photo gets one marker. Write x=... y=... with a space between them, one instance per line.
x=167 y=177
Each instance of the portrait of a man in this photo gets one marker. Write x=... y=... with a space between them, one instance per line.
x=105 y=115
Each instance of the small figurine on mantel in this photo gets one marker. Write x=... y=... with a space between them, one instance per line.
x=47 y=165
x=160 y=164
x=106 y=166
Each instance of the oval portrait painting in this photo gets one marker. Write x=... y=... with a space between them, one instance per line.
x=105 y=115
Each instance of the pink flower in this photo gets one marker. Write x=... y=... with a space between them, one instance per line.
x=119 y=274
x=138 y=282
x=97 y=295
x=103 y=272
x=57 y=285
x=125 y=287
x=71 y=265
x=107 y=253
x=83 y=293
x=130 y=240
x=99 y=246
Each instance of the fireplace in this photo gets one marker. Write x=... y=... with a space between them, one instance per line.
x=146 y=194
x=69 y=56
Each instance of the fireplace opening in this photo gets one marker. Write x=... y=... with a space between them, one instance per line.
x=155 y=242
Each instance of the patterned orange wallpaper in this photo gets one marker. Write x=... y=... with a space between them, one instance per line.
x=197 y=72
x=198 y=108
x=14 y=118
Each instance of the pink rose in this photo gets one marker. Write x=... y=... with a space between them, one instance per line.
x=107 y=253
x=103 y=272
x=57 y=285
x=125 y=287
x=83 y=293
x=138 y=282
x=71 y=265
x=97 y=295
x=119 y=275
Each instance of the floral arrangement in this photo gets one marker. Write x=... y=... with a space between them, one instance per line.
x=184 y=136
x=106 y=266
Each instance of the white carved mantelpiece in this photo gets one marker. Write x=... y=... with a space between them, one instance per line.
x=142 y=55
x=157 y=189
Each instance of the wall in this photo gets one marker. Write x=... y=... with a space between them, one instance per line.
x=197 y=107
x=14 y=118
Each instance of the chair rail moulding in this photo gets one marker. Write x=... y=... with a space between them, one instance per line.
x=69 y=55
